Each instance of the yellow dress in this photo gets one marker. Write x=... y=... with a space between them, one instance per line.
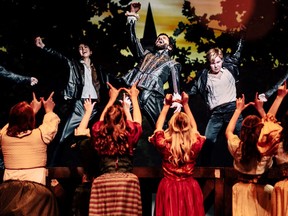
x=249 y=196
x=280 y=192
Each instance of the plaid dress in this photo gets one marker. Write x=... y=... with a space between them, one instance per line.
x=117 y=190
x=115 y=194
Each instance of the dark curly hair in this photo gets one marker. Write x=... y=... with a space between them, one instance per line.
x=171 y=42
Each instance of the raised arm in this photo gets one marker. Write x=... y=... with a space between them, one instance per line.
x=49 y=103
x=187 y=110
x=133 y=94
x=264 y=96
x=113 y=94
x=258 y=104
x=88 y=105
x=39 y=43
x=240 y=106
x=281 y=93
x=35 y=104
x=17 y=78
x=163 y=114
x=175 y=70
x=132 y=17
x=126 y=103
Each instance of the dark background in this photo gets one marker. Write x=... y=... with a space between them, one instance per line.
x=63 y=23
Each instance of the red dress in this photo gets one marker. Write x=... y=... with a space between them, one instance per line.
x=178 y=192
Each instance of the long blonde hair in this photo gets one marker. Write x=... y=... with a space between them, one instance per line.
x=181 y=136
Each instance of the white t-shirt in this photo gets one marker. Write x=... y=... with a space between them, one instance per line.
x=88 y=89
x=221 y=88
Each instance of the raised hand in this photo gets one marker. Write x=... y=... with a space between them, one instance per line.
x=113 y=92
x=168 y=99
x=176 y=102
x=39 y=43
x=88 y=105
x=282 y=90
x=185 y=98
x=135 y=7
x=132 y=13
x=34 y=81
x=35 y=104
x=240 y=103
x=133 y=91
x=49 y=103
x=258 y=102
x=126 y=103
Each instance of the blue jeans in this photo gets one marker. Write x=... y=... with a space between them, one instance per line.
x=215 y=151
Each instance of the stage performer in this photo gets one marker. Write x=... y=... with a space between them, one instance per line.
x=218 y=87
x=85 y=81
x=178 y=192
x=24 y=147
x=153 y=70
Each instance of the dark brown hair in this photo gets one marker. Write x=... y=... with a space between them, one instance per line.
x=249 y=134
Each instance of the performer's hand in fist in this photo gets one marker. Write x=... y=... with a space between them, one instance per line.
x=135 y=7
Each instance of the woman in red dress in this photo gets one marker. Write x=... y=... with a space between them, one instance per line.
x=178 y=192
x=116 y=191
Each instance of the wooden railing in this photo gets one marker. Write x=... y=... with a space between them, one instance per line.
x=216 y=184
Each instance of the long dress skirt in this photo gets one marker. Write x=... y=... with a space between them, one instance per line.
x=115 y=194
x=27 y=198
x=179 y=198
x=251 y=199
x=280 y=198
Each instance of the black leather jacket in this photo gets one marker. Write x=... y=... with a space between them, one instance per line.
x=75 y=83
x=230 y=62
x=14 y=77
x=153 y=69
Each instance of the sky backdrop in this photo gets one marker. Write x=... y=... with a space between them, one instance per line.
x=168 y=13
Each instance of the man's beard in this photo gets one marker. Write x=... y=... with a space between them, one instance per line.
x=161 y=46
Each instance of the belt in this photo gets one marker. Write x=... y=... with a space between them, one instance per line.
x=223 y=105
x=92 y=100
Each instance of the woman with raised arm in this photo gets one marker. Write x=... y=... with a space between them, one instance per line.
x=24 y=148
x=116 y=191
x=253 y=153
x=178 y=192
x=279 y=194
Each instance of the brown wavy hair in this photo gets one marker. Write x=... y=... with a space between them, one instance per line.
x=249 y=134
x=112 y=139
x=21 y=119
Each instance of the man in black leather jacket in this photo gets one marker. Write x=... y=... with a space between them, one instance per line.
x=153 y=71
x=264 y=96
x=83 y=82
x=217 y=86
x=5 y=74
